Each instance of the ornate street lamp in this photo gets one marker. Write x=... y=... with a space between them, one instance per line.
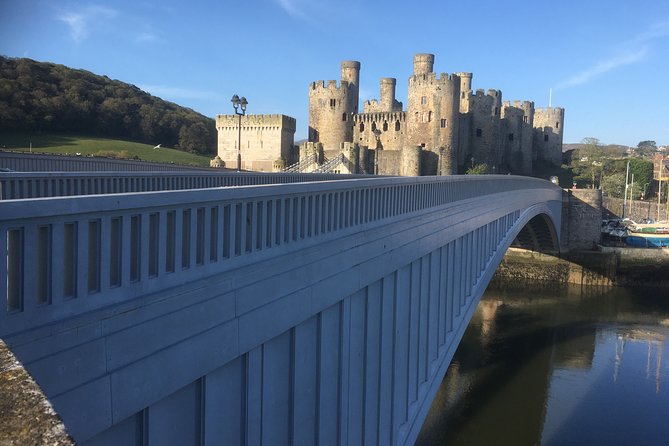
x=238 y=103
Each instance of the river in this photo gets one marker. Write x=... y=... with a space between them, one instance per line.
x=558 y=367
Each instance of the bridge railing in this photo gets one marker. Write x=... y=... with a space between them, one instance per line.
x=21 y=185
x=68 y=255
x=53 y=162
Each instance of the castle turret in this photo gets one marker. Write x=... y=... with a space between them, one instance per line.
x=465 y=91
x=423 y=64
x=387 y=93
x=332 y=106
x=350 y=72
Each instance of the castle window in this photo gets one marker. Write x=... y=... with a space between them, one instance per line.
x=362 y=127
x=429 y=116
x=463 y=95
x=333 y=102
x=525 y=119
x=478 y=133
x=373 y=126
x=510 y=136
x=417 y=115
x=557 y=125
x=343 y=116
x=423 y=100
x=546 y=137
x=385 y=126
x=397 y=126
x=496 y=111
x=444 y=123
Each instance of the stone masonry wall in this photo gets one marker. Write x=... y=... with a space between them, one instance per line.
x=581 y=219
x=264 y=139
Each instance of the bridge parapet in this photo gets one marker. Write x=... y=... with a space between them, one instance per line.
x=69 y=255
x=22 y=185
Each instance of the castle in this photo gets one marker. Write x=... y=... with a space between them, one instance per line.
x=445 y=129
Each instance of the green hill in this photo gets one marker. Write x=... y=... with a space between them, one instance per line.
x=40 y=97
x=92 y=146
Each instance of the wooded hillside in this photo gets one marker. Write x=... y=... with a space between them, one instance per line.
x=46 y=97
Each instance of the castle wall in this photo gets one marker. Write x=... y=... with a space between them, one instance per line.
x=392 y=128
x=264 y=139
x=548 y=134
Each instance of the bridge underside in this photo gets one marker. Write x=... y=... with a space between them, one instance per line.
x=343 y=341
x=538 y=235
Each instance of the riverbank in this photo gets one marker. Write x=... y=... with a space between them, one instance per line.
x=608 y=266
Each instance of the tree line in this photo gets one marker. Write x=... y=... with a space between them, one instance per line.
x=46 y=97
x=606 y=167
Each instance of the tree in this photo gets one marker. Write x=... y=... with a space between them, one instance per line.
x=646 y=148
x=614 y=185
x=643 y=173
x=479 y=169
x=588 y=163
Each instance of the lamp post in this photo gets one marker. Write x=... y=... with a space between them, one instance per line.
x=238 y=104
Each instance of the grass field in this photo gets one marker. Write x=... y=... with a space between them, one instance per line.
x=88 y=145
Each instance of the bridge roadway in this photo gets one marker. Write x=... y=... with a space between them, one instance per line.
x=309 y=313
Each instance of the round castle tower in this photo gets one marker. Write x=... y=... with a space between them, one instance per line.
x=432 y=108
x=387 y=93
x=332 y=106
x=518 y=134
x=548 y=125
x=423 y=64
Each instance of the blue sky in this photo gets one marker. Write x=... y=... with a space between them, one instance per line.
x=607 y=61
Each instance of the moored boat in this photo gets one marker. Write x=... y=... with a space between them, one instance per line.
x=647 y=239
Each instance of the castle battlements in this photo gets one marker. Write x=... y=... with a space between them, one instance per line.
x=319 y=87
x=432 y=79
x=554 y=111
x=264 y=122
x=380 y=117
x=519 y=104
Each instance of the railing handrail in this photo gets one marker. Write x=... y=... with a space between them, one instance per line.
x=330 y=164
x=18 y=185
x=301 y=164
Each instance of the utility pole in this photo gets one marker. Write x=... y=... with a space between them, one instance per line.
x=627 y=175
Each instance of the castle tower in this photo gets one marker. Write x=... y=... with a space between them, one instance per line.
x=332 y=106
x=465 y=91
x=265 y=139
x=484 y=144
x=518 y=135
x=432 y=110
x=548 y=133
x=423 y=64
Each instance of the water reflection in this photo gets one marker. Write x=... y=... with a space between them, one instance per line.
x=556 y=367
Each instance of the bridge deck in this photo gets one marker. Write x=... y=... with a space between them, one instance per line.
x=315 y=311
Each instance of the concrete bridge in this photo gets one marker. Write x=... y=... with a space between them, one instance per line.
x=316 y=312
